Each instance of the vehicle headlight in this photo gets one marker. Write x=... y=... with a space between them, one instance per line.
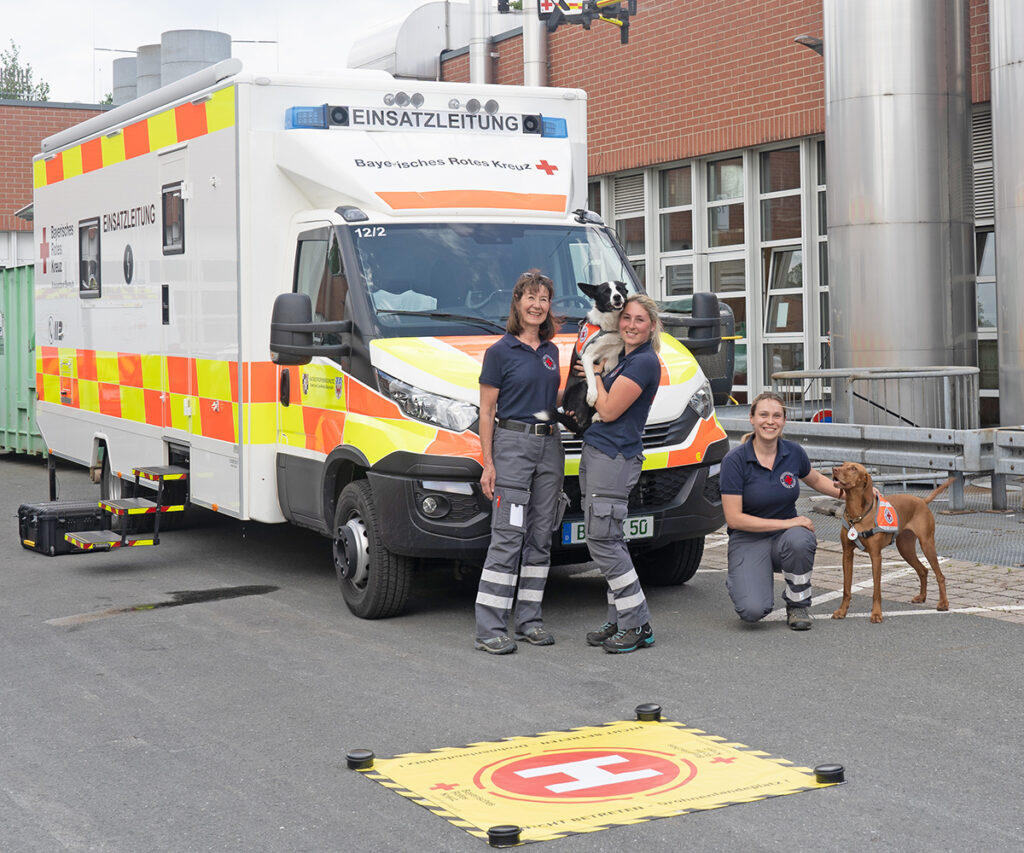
x=703 y=401
x=424 y=406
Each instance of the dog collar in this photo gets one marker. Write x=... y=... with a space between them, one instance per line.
x=860 y=518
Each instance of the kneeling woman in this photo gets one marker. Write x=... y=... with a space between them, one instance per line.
x=609 y=468
x=760 y=483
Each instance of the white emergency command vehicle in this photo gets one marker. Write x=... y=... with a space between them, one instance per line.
x=281 y=289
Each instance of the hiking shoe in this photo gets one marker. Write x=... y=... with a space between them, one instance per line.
x=537 y=637
x=608 y=629
x=496 y=645
x=630 y=640
x=798 y=618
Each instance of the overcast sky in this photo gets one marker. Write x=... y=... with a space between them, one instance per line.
x=61 y=39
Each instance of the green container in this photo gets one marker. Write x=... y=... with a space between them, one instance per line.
x=18 y=430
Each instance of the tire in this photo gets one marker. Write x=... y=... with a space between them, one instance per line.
x=113 y=488
x=671 y=565
x=374 y=581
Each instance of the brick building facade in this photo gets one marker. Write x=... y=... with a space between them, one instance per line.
x=707 y=155
x=23 y=126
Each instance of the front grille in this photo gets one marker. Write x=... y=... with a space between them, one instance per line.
x=712 y=492
x=653 y=489
x=655 y=435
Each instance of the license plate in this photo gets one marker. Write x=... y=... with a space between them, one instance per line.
x=637 y=527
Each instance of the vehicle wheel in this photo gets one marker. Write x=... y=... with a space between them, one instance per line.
x=670 y=565
x=113 y=488
x=374 y=581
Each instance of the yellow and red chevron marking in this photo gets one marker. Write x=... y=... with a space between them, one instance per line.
x=677 y=364
x=366 y=419
x=178 y=124
x=152 y=389
x=147 y=389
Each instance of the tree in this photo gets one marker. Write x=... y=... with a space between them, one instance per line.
x=16 y=80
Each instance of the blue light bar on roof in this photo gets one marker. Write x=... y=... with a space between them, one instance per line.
x=307 y=117
x=555 y=128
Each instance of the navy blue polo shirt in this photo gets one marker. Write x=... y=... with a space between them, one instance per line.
x=527 y=379
x=766 y=494
x=625 y=434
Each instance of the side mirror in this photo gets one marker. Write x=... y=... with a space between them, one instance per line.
x=292 y=329
x=705 y=336
x=289 y=341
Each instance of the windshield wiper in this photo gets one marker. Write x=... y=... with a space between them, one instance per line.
x=443 y=315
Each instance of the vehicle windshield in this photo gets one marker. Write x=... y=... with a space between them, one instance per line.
x=457 y=279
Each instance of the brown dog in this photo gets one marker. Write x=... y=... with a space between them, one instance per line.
x=870 y=522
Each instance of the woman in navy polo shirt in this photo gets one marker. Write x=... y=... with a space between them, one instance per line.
x=523 y=468
x=760 y=482
x=609 y=468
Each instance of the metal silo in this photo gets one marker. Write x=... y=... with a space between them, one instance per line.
x=148 y=69
x=1006 y=45
x=900 y=197
x=125 y=71
x=183 y=52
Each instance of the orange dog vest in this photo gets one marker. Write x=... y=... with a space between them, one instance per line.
x=886 y=521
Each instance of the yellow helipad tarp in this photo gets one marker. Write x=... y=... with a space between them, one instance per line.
x=587 y=779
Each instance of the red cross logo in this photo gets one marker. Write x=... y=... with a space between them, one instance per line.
x=547 y=6
x=721 y=760
x=44 y=250
x=547 y=167
x=444 y=786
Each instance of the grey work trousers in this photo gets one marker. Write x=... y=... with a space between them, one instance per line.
x=605 y=484
x=529 y=471
x=754 y=557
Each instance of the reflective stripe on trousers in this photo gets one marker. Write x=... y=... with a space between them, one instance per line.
x=529 y=471
x=753 y=558
x=605 y=485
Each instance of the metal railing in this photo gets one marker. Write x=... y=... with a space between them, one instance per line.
x=919 y=453
x=943 y=397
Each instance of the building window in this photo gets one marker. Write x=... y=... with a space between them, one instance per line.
x=821 y=238
x=729 y=281
x=986 y=271
x=89 y=279
x=173 y=220
x=675 y=226
x=630 y=223
x=725 y=202
x=785 y=297
x=594 y=197
x=780 y=194
x=675 y=197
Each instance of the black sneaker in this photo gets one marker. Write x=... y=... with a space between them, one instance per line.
x=537 y=636
x=496 y=645
x=798 y=618
x=630 y=640
x=608 y=629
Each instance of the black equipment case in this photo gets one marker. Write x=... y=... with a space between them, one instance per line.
x=41 y=526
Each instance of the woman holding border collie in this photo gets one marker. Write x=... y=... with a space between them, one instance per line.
x=759 y=485
x=523 y=468
x=609 y=468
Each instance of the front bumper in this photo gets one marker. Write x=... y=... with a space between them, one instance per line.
x=684 y=502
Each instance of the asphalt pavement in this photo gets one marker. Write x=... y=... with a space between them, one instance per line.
x=222 y=723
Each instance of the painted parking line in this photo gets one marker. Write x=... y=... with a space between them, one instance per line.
x=999 y=608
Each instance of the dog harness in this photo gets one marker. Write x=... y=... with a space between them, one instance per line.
x=588 y=332
x=886 y=521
